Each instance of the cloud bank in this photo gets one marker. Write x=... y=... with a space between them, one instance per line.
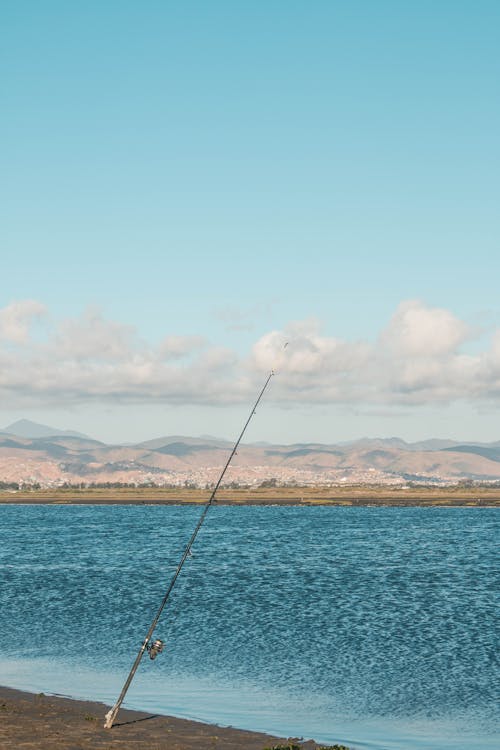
x=418 y=358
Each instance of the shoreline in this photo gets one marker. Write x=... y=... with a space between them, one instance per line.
x=53 y=722
x=352 y=496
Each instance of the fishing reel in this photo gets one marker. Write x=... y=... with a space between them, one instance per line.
x=154 y=648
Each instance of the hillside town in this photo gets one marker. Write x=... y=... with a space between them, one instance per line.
x=28 y=459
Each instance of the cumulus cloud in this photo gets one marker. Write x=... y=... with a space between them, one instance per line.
x=416 y=330
x=92 y=358
x=16 y=319
x=418 y=358
x=91 y=337
x=176 y=347
x=308 y=351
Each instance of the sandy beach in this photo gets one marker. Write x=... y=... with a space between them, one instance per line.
x=46 y=722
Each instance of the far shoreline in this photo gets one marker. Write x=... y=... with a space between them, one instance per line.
x=337 y=496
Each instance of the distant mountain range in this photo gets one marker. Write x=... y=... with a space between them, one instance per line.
x=27 y=428
x=38 y=454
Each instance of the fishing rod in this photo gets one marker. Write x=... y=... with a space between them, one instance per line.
x=155 y=647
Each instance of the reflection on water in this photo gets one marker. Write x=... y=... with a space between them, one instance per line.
x=369 y=626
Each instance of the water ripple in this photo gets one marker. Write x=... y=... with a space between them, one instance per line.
x=365 y=621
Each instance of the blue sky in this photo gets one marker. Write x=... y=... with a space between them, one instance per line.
x=210 y=173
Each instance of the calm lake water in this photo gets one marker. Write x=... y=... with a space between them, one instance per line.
x=369 y=626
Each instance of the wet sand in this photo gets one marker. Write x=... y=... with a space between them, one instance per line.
x=46 y=722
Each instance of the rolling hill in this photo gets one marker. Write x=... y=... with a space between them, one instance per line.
x=50 y=457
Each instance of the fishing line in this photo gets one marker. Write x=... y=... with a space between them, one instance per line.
x=155 y=647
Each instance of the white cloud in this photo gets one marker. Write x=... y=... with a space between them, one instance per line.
x=313 y=366
x=93 y=338
x=176 y=347
x=17 y=318
x=419 y=331
x=417 y=359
